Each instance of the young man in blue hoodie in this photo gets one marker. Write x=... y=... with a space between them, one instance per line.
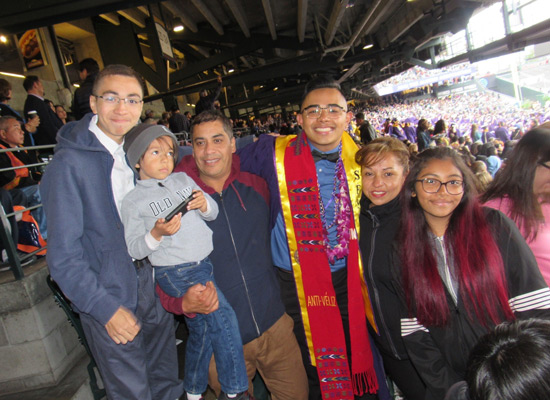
x=131 y=336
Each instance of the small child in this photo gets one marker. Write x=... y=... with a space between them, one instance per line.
x=179 y=253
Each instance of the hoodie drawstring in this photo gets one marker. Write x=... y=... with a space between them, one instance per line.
x=238 y=195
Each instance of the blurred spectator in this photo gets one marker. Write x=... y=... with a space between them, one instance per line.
x=26 y=179
x=29 y=123
x=49 y=122
x=422 y=136
x=493 y=160
x=366 y=131
x=206 y=101
x=88 y=70
x=475 y=134
x=522 y=191
x=501 y=133
x=61 y=113
x=178 y=122
x=483 y=177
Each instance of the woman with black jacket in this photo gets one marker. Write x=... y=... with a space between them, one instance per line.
x=385 y=163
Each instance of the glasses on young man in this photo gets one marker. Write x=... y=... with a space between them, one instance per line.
x=131 y=101
x=314 y=111
x=431 y=185
x=543 y=165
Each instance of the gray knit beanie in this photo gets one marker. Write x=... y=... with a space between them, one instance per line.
x=138 y=139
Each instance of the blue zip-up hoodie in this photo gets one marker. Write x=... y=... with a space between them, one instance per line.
x=87 y=254
x=242 y=251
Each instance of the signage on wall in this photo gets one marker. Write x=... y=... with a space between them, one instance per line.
x=31 y=49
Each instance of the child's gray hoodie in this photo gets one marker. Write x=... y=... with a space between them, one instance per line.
x=152 y=199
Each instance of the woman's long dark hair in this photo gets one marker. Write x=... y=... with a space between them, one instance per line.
x=477 y=259
x=515 y=181
x=439 y=127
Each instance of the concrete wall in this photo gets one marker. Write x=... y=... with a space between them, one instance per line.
x=38 y=346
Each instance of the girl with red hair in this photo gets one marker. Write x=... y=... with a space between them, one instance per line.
x=461 y=269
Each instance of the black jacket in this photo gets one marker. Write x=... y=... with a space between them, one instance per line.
x=81 y=100
x=378 y=228
x=207 y=103
x=366 y=132
x=27 y=158
x=7 y=111
x=440 y=354
x=242 y=250
x=49 y=121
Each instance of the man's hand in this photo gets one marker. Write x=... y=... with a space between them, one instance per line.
x=200 y=299
x=32 y=124
x=123 y=326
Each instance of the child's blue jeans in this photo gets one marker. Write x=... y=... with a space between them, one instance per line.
x=217 y=332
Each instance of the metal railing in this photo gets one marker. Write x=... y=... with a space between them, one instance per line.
x=14 y=259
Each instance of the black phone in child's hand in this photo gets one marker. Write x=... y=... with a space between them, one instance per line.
x=181 y=208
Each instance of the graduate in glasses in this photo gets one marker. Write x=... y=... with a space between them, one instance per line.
x=315 y=186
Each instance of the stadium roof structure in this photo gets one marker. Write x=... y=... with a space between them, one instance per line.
x=268 y=49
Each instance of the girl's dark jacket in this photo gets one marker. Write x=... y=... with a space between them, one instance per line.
x=440 y=354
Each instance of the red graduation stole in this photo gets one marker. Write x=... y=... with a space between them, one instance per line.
x=321 y=317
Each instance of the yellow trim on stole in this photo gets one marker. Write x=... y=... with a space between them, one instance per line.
x=353 y=173
x=280 y=148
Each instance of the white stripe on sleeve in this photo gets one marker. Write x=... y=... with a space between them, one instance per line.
x=410 y=326
x=537 y=300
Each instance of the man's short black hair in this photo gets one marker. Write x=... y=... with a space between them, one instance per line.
x=212 y=116
x=360 y=116
x=321 y=82
x=90 y=65
x=29 y=82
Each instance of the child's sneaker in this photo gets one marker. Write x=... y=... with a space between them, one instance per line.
x=240 y=396
x=184 y=397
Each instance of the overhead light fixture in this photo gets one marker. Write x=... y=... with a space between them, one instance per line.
x=230 y=70
x=275 y=89
x=178 y=25
x=368 y=46
x=76 y=85
x=14 y=75
x=3 y=39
